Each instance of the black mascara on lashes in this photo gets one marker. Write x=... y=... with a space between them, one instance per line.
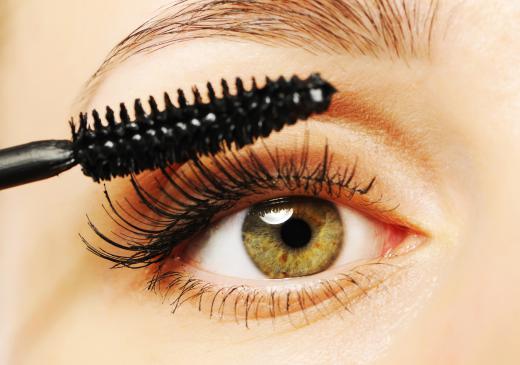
x=175 y=134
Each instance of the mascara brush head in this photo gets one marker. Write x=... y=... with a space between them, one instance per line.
x=124 y=145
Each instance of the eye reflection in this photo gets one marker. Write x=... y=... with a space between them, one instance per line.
x=277 y=216
x=292 y=237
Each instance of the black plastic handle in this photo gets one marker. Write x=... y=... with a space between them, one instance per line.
x=34 y=161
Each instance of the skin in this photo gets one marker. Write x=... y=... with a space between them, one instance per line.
x=456 y=177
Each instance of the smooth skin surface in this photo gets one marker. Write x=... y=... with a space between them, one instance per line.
x=452 y=163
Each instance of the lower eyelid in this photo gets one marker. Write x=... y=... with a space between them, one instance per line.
x=300 y=301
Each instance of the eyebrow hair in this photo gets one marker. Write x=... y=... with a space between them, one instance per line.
x=399 y=29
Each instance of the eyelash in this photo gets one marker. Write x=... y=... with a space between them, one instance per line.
x=209 y=195
x=245 y=303
x=217 y=185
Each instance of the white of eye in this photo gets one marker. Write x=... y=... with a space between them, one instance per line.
x=220 y=249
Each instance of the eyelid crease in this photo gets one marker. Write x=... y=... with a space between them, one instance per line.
x=377 y=207
x=352 y=110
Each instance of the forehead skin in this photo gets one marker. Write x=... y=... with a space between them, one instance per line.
x=50 y=48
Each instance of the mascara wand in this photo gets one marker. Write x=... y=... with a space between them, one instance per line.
x=175 y=134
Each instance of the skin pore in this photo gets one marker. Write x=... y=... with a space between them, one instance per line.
x=437 y=124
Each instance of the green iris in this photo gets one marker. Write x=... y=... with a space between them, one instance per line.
x=293 y=236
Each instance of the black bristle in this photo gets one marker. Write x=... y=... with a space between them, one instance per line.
x=281 y=81
x=196 y=95
x=83 y=120
x=225 y=88
x=153 y=106
x=240 y=86
x=181 y=99
x=296 y=82
x=168 y=105
x=138 y=109
x=97 y=119
x=83 y=123
x=211 y=93
x=178 y=134
x=109 y=116
x=123 y=114
x=73 y=130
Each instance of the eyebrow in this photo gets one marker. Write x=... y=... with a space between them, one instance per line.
x=396 y=29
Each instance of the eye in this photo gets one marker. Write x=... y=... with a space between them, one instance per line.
x=280 y=229
x=288 y=237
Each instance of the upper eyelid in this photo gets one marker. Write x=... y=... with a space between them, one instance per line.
x=208 y=195
x=352 y=111
x=362 y=118
x=349 y=109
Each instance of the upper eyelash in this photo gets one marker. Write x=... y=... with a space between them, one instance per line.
x=149 y=240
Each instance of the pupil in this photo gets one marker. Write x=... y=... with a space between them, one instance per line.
x=296 y=233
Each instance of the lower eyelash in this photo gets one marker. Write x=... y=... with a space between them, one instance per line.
x=143 y=240
x=299 y=306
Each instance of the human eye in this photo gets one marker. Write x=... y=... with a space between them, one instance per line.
x=318 y=252
x=296 y=227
